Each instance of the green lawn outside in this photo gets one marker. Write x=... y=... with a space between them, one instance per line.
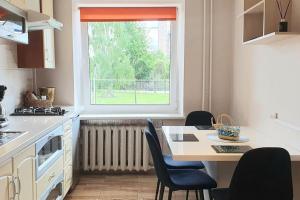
x=128 y=97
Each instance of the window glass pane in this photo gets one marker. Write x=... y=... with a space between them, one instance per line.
x=130 y=62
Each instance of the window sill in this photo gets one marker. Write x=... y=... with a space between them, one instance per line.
x=130 y=116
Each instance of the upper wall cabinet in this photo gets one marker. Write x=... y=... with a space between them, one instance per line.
x=33 y=5
x=19 y=3
x=40 y=52
x=261 y=21
x=26 y=4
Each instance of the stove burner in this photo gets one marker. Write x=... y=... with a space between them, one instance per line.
x=52 y=111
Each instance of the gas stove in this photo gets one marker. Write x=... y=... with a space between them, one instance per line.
x=32 y=111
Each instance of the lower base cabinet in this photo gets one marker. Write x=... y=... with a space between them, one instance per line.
x=7 y=185
x=68 y=151
x=18 y=174
x=48 y=181
x=24 y=173
x=68 y=172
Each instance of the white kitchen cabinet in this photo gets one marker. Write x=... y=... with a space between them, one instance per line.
x=49 y=50
x=6 y=192
x=6 y=181
x=33 y=5
x=41 y=43
x=24 y=173
x=19 y=3
x=26 y=4
x=68 y=166
x=47 y=7
x=49 y=177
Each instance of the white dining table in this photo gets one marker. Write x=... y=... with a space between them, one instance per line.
x=202 y=149
x=221 y=166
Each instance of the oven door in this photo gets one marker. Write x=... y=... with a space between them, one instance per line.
x=54 y=191
x=48 y=150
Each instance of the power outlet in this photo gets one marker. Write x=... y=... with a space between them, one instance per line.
x=275 y=116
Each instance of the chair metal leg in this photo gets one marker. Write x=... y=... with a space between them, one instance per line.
x=170 y=194
x=157 y=189
x=201 y=194
x=197 y=196
x=210 y=195
x=162 y=190
x=187 y=195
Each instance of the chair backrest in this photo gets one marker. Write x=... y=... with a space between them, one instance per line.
x=199 y=118
x=263 y=174
x=152 y=130
x=158 y=160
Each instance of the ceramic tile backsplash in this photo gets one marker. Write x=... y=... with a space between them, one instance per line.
x=16 y=80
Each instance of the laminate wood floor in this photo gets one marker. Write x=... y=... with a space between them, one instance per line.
x=119 y=187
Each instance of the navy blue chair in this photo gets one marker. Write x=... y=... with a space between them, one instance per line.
x=199 y=118
x=261 y=174
x=170 y=163
x=177 y=179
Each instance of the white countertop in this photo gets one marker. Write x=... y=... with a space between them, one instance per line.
x=34 y=127
x=202 y=150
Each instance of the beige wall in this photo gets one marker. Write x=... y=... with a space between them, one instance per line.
x=266 y=81
x=16 y=80
x=221 y=57
x=193 y=55
x=223 y=12
x=62 y=76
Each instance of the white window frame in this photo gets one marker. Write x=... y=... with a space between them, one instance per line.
x=176 y=69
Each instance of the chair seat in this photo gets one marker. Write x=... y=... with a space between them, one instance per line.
x=172 y=164
x=189 y=179
x=221 y=194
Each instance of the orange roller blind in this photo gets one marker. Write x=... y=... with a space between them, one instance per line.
x=105 y=14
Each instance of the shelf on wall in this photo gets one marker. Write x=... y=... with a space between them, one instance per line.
x=257 y=8
x=260 y=22
x=272 y=37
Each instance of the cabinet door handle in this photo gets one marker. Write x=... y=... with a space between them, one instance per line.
x=19 y=185
x=14 y=188
x=51 y=177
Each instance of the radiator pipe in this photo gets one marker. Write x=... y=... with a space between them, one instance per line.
x=204 y=56
x=211 y=55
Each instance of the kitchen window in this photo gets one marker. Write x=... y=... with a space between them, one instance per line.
x=134 y=59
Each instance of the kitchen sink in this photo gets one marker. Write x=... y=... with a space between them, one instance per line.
x=6 y=136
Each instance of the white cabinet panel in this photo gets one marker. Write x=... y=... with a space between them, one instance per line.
x=24 y=172
x=41 y=43
x=33 y=5
x=19 y=3
x=6 y=188
x=49 y=52
x=6 y=181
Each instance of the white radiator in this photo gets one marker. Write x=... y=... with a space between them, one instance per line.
x=114 y=145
